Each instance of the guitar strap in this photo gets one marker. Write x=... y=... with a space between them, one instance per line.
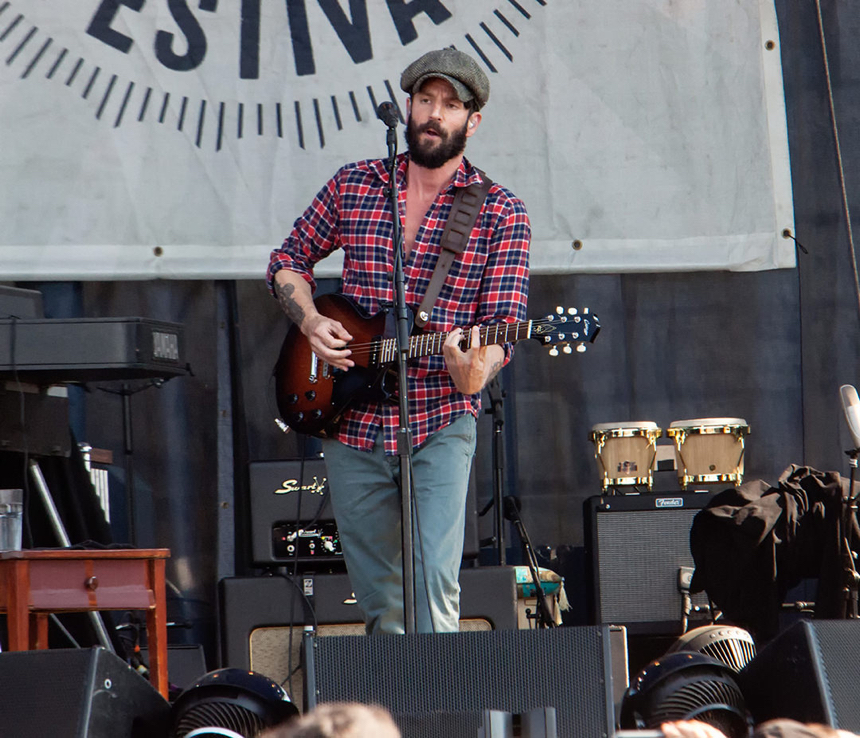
x=464 y=214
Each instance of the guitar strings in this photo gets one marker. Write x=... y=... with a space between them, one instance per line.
x=362 y=349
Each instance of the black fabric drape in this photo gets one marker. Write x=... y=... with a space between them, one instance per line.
x=752 y=544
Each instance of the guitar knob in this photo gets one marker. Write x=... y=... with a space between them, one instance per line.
x=311 y=395
x=316 y=414
x=292 y=399
x=298 y=417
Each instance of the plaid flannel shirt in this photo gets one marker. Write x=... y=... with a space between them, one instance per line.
x=487 y=283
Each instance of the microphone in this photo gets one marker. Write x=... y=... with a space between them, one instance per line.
x=387 y=113
x=851 y=406
x=511 y=506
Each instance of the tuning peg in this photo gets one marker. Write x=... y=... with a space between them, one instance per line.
x=553 y=351
x=580 y=348
x=573 y=311
x=567 y=349
x=559 y=309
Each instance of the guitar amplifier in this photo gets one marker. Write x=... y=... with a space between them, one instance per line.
x=292 y=518
x=638 y=548
x=291 y=514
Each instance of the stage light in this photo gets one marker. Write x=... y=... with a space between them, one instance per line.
x=685 y=686
x=230 y=702
x=733 y=646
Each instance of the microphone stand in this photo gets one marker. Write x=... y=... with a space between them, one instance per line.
x=512 y=512
x=497 y=402
x=404 y=433
x=846 y=521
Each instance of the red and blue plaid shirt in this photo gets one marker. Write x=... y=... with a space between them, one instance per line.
x=487 y=283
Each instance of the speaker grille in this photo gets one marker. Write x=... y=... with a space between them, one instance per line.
x=639 y=554
x=837 y=658
x=512 y=671
x=810 y=673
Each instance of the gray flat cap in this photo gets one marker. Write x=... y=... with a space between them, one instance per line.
x=458 y=68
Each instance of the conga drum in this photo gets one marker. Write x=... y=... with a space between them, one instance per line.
x=709 y=450
x=626 y=452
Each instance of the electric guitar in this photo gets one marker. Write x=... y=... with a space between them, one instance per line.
x=312 y=395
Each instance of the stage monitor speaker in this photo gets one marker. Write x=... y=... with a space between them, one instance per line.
x=77 y=693
x=262 y=619
x=810 y=673
x=638 y=547
x=422 y=675
x=294 y=492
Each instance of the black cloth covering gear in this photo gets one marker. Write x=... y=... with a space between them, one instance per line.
x=753 y=543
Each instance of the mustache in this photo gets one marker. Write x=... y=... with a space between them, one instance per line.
x=430 y=127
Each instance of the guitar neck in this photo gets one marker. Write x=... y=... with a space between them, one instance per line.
x=430 y=344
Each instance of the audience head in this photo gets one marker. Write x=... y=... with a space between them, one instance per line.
x=338 y=720
x=784 y=728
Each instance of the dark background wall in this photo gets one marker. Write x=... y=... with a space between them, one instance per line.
x=770 y=347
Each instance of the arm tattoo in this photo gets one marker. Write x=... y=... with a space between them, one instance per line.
x=288 y=304
x=494 y=371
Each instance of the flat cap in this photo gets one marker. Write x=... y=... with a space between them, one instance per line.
x=457 y=67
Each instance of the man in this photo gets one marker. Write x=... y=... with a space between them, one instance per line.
x=487 y=283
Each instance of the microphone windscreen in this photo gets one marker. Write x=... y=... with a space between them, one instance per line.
x=511 y=507
x=851 y=406
x=387 y=113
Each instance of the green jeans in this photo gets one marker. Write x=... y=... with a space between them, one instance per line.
x=365 y=495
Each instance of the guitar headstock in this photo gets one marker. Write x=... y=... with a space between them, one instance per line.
x=568 y=327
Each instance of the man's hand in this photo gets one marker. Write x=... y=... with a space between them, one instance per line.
x=328 y=339
x=473 y=368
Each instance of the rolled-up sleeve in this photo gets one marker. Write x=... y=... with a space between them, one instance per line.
x=314 y=236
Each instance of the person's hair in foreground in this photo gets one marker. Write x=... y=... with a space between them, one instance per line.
x=338 y=720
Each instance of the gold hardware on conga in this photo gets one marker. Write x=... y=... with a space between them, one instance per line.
x=626 y=453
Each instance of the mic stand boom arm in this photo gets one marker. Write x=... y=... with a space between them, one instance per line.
x=404 y=434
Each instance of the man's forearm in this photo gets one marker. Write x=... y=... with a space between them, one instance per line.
x=294 y=295
x=495 y=368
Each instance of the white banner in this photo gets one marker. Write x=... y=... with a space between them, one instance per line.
x=174 y=139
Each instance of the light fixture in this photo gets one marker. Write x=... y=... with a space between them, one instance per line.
x=685 y=686
x=733 y=646
x=236 y=702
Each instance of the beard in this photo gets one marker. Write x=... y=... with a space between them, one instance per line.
x=433 y=156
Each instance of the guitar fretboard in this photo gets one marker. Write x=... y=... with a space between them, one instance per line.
x=430 y=344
